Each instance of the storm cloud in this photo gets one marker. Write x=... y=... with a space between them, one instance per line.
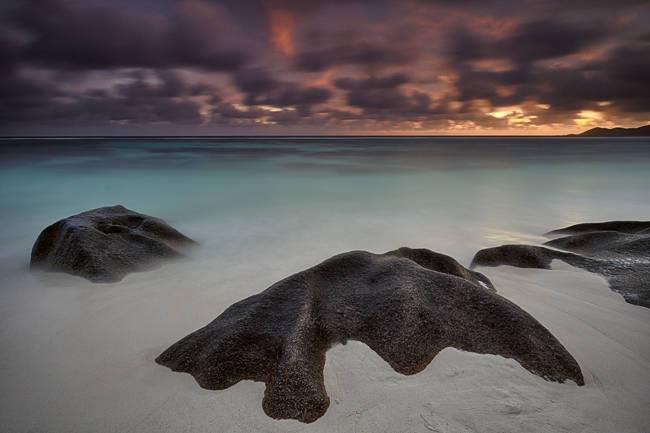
x=330 y=66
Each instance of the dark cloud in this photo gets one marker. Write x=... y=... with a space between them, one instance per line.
x=621 y=79
x=260 y=88
x=331 y=64
x=231 y=111
x=356 y=53
x=548 y=38
x=255 y=82
x=375 y=93
x=384 y=95
x=372 y=83
x=290 y=95
x=475 y=84
x=161 y=97
x=530 y=41
x=618 y=77
x=79 y=36
x=629 y=62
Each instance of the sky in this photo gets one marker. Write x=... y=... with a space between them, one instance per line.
x=335 y=67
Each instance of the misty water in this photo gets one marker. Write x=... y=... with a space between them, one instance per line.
x=234 y=195
x=77 y=356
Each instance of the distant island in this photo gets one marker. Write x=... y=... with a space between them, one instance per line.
x=641 y=131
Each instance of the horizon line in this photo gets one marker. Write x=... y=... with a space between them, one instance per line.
x=9 y=137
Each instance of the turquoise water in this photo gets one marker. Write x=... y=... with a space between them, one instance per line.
x=79 y=357
x=230 y=194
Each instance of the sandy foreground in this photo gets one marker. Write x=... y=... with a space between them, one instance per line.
x=78 y=358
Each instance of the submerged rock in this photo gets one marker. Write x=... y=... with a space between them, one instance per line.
x=105 y=244
x=406 y=305
x=617 y=250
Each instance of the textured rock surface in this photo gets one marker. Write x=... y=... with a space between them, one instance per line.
x=406 y=305
x=617 y=250
x=105 y=244
x=631 y=227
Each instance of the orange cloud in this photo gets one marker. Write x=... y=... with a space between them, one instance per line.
x=281 y=25
x=324 y=79
x=493 y=65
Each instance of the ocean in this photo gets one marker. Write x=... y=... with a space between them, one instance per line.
x=233 y=194
x=78 y=356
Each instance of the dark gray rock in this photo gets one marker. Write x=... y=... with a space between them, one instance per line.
x=442 y=263
x=615 y=226
x=521 y=256
x=406 y=305
x=105 y=244
x=617 y=250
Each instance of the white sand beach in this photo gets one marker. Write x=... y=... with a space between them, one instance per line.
x=79 y=357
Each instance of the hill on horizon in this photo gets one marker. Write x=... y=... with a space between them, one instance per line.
x=641 y=131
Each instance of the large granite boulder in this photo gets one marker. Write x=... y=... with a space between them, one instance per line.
x=105 y=244
x=406 y=305
x=617 y=250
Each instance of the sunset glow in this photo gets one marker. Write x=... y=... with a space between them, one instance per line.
x=281 y=26
x=211 y=67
